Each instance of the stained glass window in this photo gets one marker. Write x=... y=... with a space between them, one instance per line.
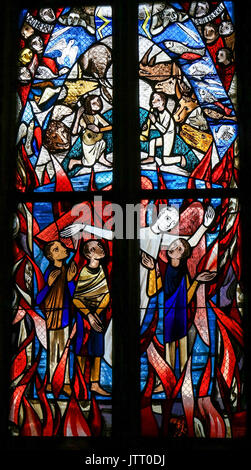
x=191 y=319
x=117 y=330
x=191 y=292
x=188 y=95
x=64 y=99
x=60 y=378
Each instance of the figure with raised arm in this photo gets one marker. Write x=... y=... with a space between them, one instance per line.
x=152 y=238
x=178 y=293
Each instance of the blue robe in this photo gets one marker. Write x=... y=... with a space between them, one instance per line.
x=175 y=311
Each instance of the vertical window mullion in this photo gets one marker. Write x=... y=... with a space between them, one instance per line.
x=126 y=184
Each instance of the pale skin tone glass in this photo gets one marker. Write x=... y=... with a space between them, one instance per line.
x=58 y=254
x=27 y=31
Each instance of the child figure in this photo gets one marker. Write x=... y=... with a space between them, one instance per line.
x=177 y=294
x=91 y=297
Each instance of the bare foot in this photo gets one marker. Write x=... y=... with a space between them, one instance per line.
x=148 y=160
x=107 y=163
x=159 y=388
x=104 y=161
x=183 y=162
x=95 y=387
x=67 y=389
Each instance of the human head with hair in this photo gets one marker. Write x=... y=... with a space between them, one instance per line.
x=92 y=104
x=36 y=43
x=201 y=9
x=226 y=28
x=47 y=14
x=210 y=32
x=25 y=56
x=158 y=100
x=27 y=30
x=167 y=219
x=56 y=251
x=93 y=250
x=224 y=56
x=179 y=249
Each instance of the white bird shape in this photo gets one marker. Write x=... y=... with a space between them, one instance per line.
x=67 y=50
x=44 y=73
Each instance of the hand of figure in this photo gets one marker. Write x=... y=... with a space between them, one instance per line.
x=72 y=271
x=209 y=216
x=144 y=127
x=206 y=276
x=95 y=322
x=147 y=260
x=53 y=276
x=152 y=118
x=73 y=163
x=93 y=128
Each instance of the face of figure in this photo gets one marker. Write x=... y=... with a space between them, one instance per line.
x=58 y=252
x=25 y=56
x=169 y=15
x=167 y=219
x=73 y=18
x=47 y=15
x=226 y=28
x=96 y=105
x=176 y=250
x=222 y=56
x=96 y=250
x=157 y=101
x=27 y=31
x=202 y=9
x=210 y=33
x=37 y=44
